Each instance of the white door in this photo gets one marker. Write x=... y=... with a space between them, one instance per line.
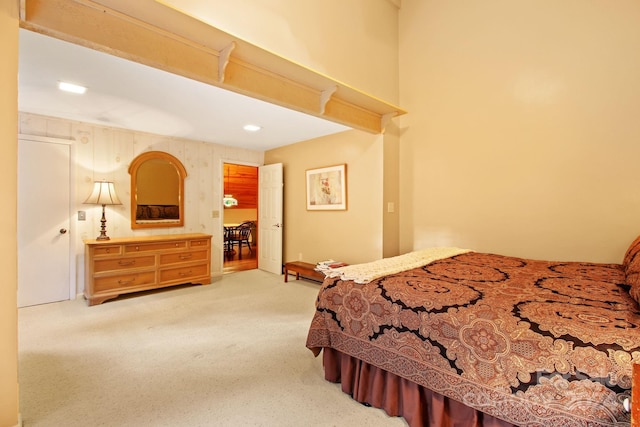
x=43 y=222
x=270 y=218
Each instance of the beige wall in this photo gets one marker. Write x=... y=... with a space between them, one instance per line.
x=352 y=41
x=100 y=152
x=354 y=235
x=8 y=216
x=238 y=215
x=523 y=136
x=391 y=191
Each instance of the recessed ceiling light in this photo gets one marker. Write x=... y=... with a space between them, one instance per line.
x=252 y=128
x=70 y=87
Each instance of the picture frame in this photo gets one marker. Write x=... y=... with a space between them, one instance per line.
x=327 y=188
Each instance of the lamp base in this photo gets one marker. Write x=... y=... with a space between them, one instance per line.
x=103 y=227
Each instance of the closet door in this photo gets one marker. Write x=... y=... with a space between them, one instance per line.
x=43 y=222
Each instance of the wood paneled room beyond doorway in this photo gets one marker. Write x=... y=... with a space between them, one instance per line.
x=240 y=217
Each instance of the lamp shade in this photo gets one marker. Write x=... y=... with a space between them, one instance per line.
x=104 y=193
x=228 y=200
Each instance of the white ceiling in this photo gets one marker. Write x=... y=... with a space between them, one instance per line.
x=129 y=95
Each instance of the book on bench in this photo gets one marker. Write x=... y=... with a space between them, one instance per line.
x=329 y=264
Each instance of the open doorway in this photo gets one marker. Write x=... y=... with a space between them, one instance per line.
x=240 y=217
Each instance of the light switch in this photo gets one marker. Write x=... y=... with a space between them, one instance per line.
x=391 y=207
x=82 y=216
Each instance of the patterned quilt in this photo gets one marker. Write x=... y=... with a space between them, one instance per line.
x=534 y=343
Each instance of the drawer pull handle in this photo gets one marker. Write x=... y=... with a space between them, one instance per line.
x=127 y=262
x=187 y=256
x=182 y=274
x=126 y=282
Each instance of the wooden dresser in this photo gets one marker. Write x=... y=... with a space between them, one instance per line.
x=131 y=264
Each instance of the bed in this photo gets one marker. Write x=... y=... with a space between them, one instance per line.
x=453 y=337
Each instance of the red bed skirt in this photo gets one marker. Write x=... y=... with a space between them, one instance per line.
x=400 y=397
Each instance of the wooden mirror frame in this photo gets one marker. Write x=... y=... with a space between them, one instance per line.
x=133 y=171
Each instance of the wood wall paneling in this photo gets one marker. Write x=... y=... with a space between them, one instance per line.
x=242 y=182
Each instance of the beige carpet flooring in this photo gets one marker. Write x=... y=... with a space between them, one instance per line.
x=228 y=354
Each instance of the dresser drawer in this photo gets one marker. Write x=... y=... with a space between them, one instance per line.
x=200 y=243
x=179 y=257
x=117 y=264
x=123 y=281
x=107 y=250
x=160 y=246
x=184 y=274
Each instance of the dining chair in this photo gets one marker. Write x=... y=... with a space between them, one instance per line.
x=228 y=242
x=240 y=235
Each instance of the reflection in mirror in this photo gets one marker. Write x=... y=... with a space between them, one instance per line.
x=157 y=188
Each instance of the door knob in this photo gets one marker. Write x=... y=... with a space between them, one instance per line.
x=63 y=230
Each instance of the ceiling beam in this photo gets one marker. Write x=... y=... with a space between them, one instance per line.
x=153 y=34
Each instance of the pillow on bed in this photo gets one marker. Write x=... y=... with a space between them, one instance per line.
x=631 y=265
x=633 y=280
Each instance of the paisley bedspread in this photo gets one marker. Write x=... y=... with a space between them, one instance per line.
x=535 y=343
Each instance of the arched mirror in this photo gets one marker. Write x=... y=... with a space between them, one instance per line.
x=157 y=190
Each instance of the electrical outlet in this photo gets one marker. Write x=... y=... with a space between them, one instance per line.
x=82 y=216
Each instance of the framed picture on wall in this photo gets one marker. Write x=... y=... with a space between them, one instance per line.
x=327 y=188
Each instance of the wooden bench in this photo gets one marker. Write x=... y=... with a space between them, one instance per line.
x=302 y=269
